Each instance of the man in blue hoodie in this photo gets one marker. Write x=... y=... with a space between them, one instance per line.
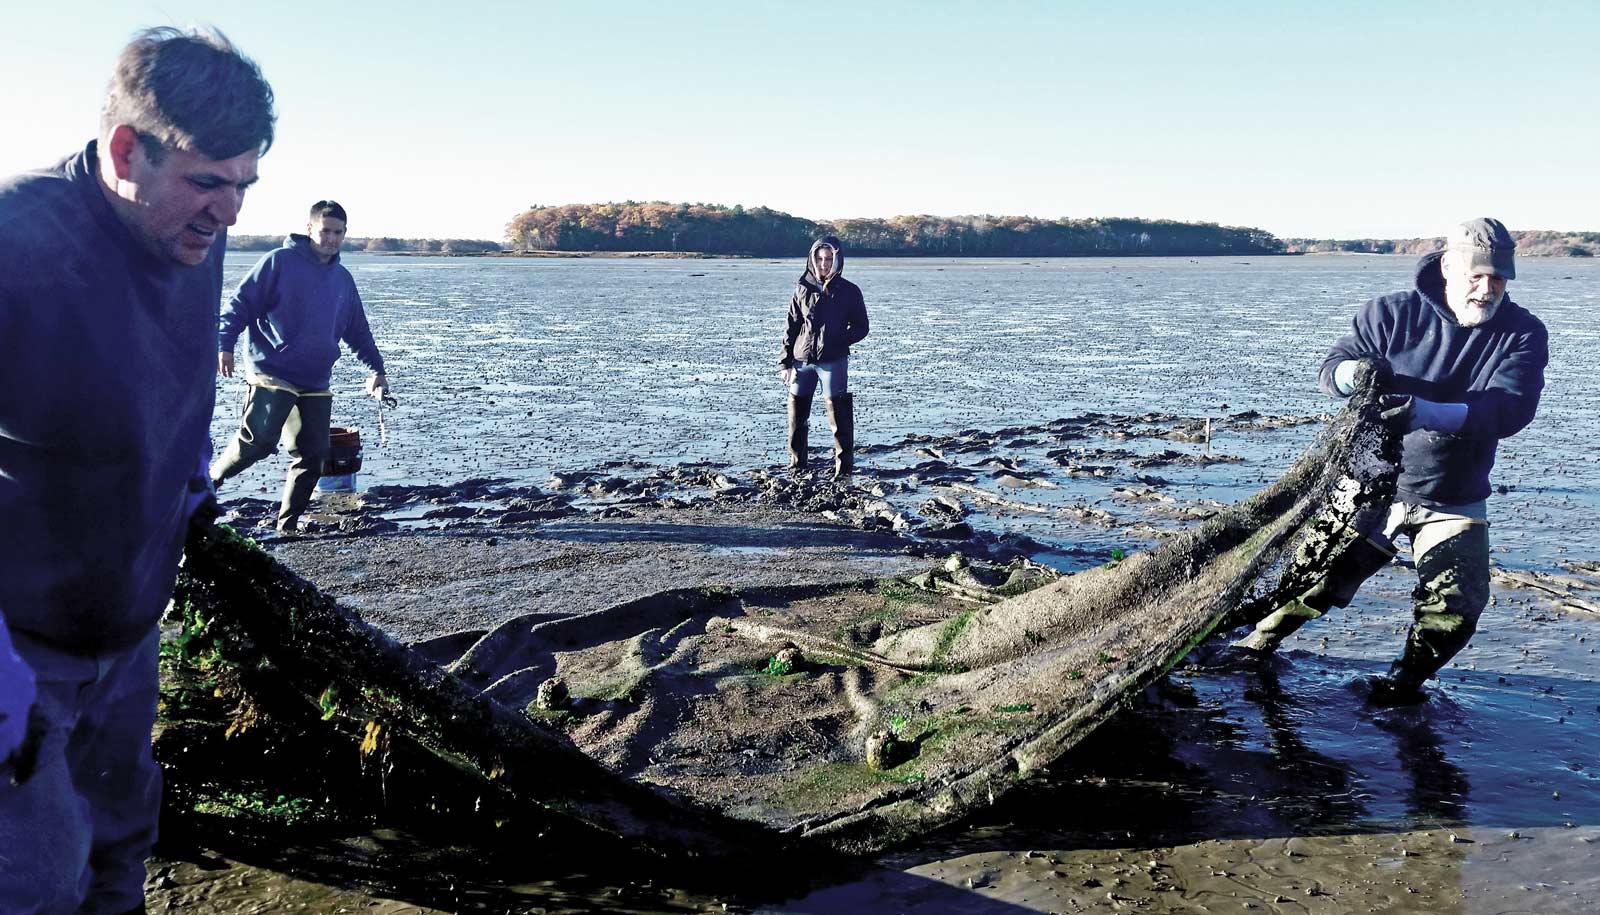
x=1466 y=368
x=110 y=261
x=297 y=303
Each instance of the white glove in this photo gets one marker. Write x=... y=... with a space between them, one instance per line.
x=1344 y=376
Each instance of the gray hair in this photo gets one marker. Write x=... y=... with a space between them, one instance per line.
x=190 y=90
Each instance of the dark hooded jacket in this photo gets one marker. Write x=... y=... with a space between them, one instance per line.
x=108 y=362
x=825 y=318
x=297 y=309
x=1495 y=368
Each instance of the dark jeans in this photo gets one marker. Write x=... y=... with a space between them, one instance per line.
x=274 y=413
x=74 y=836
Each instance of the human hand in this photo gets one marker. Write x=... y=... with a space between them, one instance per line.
x=787 y=374
x=225 y=365
x=378 y=386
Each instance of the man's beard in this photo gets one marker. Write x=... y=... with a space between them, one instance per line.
x=1473 y=312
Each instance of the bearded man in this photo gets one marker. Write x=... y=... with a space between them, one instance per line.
x=1465 y=366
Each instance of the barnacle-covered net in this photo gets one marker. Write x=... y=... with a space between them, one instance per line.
x=709 y=721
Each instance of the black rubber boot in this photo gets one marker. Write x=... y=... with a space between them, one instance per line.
x=1398 y=687
x=799 y=426
x=842 y=419
x=1420 y=660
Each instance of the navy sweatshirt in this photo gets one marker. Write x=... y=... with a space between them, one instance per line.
x=1496 y=369
x=825 y=319
x=297 y=309
x=107 y=361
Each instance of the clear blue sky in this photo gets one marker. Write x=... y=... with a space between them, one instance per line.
x=1303 y=118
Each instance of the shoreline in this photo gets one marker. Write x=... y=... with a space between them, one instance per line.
x=703 y=255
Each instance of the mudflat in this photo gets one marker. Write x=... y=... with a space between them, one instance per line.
x=1275 y=790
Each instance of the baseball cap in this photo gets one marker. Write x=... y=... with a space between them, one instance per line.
x=1488 y=244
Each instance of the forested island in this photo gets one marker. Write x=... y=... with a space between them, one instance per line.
x=763 y=232
x=712 y=229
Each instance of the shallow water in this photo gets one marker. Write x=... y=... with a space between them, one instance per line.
x=518 y=368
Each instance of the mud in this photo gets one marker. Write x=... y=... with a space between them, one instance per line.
x=1198 y=776
x=1222 y=773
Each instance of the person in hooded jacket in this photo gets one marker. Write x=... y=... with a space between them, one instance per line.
x=1465 y=368
x=826 y=317
x=298 y=302
x=110 y=275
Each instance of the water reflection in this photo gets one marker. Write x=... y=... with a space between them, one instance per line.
x=1439 y=789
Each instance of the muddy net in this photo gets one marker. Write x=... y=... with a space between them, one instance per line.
x=849 y=717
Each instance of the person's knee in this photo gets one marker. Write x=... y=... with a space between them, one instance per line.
x=310 y=460
x=1453 y=577
x=1447 y=601
x=250 y=451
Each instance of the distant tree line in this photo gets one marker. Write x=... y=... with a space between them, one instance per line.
x=1531 y=243
x=379 y=245
x=762 y=232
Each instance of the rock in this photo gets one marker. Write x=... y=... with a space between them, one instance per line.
x=553 y=695
x=883 y=751
x=791 y=657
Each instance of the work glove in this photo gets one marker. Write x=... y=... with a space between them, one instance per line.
x=1372 y=369
x=1408 y=413
x=21 y=726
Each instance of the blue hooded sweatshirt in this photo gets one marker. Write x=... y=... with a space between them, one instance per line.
x=297 y=310
x=1496 y=368
x=108 y=364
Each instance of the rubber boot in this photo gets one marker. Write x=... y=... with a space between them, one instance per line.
x=1345 y=576
x=842 y=420
x=1402 y=685
x=1449 y=598
x=1279 y=625
x=799 y=426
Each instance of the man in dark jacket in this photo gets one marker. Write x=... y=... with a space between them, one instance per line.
x=1466 y=365
x=110 y=276
x=826 y=316
x=298 y=303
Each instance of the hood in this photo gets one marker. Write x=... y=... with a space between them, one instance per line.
x=1430 y=284
x=810 y=276
x=302 y=244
